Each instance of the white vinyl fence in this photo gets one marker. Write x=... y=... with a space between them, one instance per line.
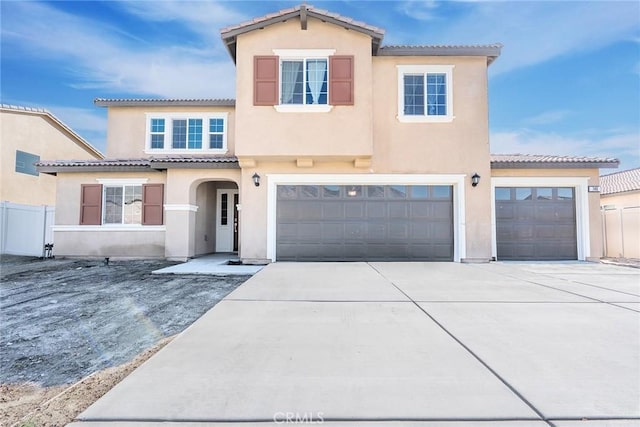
x=621 y=231
x=24 y=230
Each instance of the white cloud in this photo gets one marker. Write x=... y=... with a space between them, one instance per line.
x=422 y=10
x=547 y=117
x=621 y=144
x=101 y=58
x=200 y=17
x=535 y=32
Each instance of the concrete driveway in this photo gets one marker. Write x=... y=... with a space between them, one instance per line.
x=432 y=344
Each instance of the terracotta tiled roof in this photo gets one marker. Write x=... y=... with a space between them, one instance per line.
x=519 y=161
x=192 y=159
x=229 y=34
x=135 y=102
x=619 y=182
x=42 y=112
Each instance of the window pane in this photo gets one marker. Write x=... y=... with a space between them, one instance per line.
x=215 y=141
x=287 y=191
x=316 y=87
x=292 y=82
x=397 y=191
x=157 y=125
x=436 y=94
x=112 y=213
x=195 y=133
x=419 y=192
x=565 y=193
x=132 y=204
x=330 y=191
x=354 y=191
x=224 y=209
x=216 y=125
x=157 y=141
x=413 y=95
x=441 y=191
x=179 y=134
x=375 y=191
x=544 y=193
x=503 y=194
x=523 y=194
x=309 y=191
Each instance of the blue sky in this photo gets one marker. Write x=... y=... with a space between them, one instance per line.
x=567 y=82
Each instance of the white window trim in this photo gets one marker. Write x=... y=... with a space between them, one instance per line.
x=580 y=184
x=168 y=132
x=301 y=55
x=120 y=183
x=424 y=69
x=456 y=180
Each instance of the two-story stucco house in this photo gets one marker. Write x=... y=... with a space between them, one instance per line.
x=335 y=148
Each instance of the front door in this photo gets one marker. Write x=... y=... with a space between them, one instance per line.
x=226 y=221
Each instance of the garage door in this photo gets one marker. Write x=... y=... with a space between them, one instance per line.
x=364 y=222
x=536 y=223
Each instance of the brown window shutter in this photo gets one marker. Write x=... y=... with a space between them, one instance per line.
x=341 y=80
x=152 y=204
x=91 y=204
x=265 y=80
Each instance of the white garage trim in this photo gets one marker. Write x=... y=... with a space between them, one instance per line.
x=455 y=180
x=580 y=184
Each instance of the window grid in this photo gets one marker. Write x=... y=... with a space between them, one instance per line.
x=188 y=133
x=216 y=133
x=436 y=94
x=122 y=204
x=414 y=95
x=304 y=82
x=195 y=133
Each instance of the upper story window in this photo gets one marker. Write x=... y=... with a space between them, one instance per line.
x=186 y=132
x=425 y=93
x=303 y=80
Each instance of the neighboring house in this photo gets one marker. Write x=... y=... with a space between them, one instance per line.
x=620 y=202
x=27 y=196
x=335 y=148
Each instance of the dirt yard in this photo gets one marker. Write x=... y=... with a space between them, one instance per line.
x=63 y=320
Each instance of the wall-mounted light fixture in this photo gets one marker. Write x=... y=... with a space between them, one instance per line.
x=475 y=179
x=256 y=179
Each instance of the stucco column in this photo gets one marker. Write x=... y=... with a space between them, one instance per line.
x=180 y=223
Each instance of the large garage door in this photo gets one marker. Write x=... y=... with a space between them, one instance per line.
x=364 y=222
x=536 y=223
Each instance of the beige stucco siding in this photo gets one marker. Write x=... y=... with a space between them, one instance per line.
x=127 y=129
x=71 y=239
x=344 y=131
x=38 y=135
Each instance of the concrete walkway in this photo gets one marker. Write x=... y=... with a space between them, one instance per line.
x=397 y=344
x=213 y=265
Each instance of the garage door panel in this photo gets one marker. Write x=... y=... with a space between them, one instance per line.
x=332 y=210
x=354 y=210
x=355 y=223
x=535 y=223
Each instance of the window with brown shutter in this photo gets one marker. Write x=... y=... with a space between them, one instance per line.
x=91 y=204
x=152 y=204
x=341 y=80
x=265 y=80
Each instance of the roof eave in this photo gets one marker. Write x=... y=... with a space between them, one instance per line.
x=101 y=102
x=194 y=165
x=54 y=170
x=553 y=165
x=490 y=52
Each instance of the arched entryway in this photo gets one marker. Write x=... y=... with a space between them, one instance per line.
x=217 y=220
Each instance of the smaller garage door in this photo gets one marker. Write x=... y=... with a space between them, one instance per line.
x=536 y=223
